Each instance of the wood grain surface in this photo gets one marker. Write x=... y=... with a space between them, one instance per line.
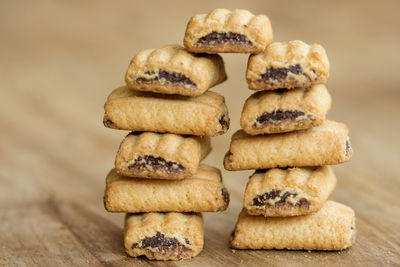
x=60 y=60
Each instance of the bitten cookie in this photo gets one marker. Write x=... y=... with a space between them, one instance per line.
x=202 y=192
x=173 y=70
x=330 y=228
x=288 y=192
x=283 y=110
x=225 y=31
x=161 y=156
x=326 y=144
x=206 y=114
x=288 y=65
x=164 y=236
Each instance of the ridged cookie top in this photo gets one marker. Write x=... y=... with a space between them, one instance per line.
x=309 y=179
x=282 y=54
x=256 y=28
x=170 y=147
x=210 y=98
x=205 y=70
x=165 y=144
x=171 y=221
x=173 y=56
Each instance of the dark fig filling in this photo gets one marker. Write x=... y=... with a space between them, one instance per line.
x=276 y=117
x=262 y=200
x=224 y=121
x=225 y=195
x=216 y=38
x=108 y=123
x=134 y=133
x=162 y=243
x=152 y=163
x=265 y=170
x=174 y=78
x=280 y=74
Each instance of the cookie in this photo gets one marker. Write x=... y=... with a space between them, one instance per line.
x=288 y=192
x=287 y=65
x=225 y=31
x=164 y=236
x=171 y=69
x=202 y=192
x=206 y=114
x=283 y=110
x=330 y=228
x=161 y=156
x=327 y=144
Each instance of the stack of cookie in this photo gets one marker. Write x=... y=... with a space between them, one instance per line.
x=158 y=179
x=288 y=141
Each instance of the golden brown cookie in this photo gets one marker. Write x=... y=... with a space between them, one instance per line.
x=330 y=228
x=161 y=156
x=327 y=144
x=206 y=114
x=225 y=31
x=283 y=110
x=171 y=69
x=164 y=236
x=288 y=192
x=288 y=65
x=202 y=192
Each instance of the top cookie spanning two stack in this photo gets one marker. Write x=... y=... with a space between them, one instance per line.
x=225 y=31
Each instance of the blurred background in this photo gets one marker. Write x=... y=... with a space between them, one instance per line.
x=60 y=60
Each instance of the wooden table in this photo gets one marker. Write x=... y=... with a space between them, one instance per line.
x=60 y=60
